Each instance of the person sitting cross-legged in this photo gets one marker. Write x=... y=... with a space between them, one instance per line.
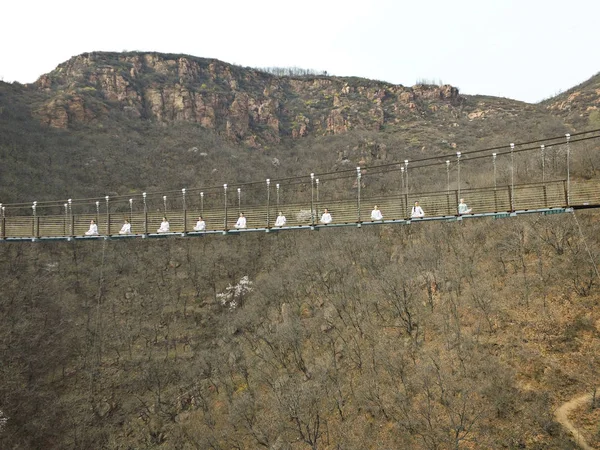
x=93 y=231
x=376 y=214
x=164 y=226
x=126 y=228
x=200 y=225
x=280 y=221
x=326 y=217
x=241 y=222
x=417 y=212
x=463 y=208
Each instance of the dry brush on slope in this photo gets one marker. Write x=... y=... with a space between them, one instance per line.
x=433 y=336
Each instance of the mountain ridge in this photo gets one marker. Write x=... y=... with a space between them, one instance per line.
x=119 y=113
x=247 y=105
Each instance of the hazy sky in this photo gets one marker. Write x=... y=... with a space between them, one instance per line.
x=522 y=49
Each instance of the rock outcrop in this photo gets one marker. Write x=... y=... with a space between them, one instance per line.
x=245 y=104
x=579 y=106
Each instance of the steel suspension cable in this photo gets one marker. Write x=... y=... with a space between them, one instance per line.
x=416 y=163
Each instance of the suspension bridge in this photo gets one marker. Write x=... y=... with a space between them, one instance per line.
x=546 y=176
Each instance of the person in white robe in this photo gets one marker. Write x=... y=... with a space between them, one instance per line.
x=376 y=214
x=417 y=212
x=326 y=217
x=463 y=208
x=126 y=228
x=280 y=221
x=164 y=226
x=200 y=225
x=241 y=222
x=93 y=231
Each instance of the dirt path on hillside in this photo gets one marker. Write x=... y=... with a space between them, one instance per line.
x=562 y=417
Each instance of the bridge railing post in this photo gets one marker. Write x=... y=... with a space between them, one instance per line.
x=495 y=200
x=36 y=230
x=566 y=191
x=402 y=179
x=184 y=210
x=358 y=180
x=568 y=137
x=494 y=155
x=107 y=198
x=406 y=172
x=511 y=198
x=269 y=203
x=33 y=223
x=225 y=200
x=317 y=201
x=144 y=194
x=456 y=200
x=542 y=147
x=65 y=220
x=406 y=214
x=312 y=199
x=512 y=176
x=458 y=155
x=3 y=227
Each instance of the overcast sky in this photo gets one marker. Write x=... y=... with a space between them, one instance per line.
x=522 y=49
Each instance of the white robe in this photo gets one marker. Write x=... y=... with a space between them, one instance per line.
x=463 y=208
x=417 y=212
x=241 y=223
x=164 y=227
x=280 y=221
x=125 y=229
x=200 y=226
x=376 y=215
x=93 y=231
x=326 y=218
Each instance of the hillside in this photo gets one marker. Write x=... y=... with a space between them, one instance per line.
x=454 y=335
x=115 y=123
x=435 y=336
x=579 y=106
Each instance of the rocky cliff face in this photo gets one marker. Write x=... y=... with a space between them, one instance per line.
x=579 y=106
x=245 y=104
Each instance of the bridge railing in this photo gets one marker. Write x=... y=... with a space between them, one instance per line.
x=349 y=193
x=585 y=193
x=347 y=210
x=354 y=207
